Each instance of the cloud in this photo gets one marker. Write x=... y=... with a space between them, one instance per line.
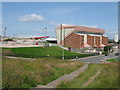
x=64 y=10
x=92 y=26
x=31 y=18
x=58 y=23
x=54 y=23
x=1 y=22
x=111 y=33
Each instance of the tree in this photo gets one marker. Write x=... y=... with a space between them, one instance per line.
x=118 y=42
x=9 y=39
x=107 y=48
x=111 y=41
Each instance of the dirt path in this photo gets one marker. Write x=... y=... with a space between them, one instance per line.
x=20 y=58
x=18 y=45
x=91 y=78
x=67 y=77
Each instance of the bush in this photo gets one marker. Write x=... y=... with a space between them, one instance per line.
x=105 y=52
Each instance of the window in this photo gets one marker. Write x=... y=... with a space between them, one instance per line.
x=84 y=32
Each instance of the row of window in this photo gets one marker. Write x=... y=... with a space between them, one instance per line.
x=84 y=32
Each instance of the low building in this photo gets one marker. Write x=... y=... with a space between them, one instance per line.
x=51 y=40
x=80 y=37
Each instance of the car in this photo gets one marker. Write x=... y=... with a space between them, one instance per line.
x=106 y=54
x=116 y=54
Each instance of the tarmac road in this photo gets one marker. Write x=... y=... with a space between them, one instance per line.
x=96 y=59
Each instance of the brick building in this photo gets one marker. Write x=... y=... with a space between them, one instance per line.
x=80 y=37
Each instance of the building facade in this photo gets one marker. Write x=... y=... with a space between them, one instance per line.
x=116 y=38
x=80 y=37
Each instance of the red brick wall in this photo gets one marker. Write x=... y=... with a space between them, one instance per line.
x=81 y=40
x=90 y=40
x=77 y=41
x=97 y=41
x=74 y=41
x=105 y=40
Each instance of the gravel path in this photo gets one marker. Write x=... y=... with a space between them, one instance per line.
x=67 y=77
x=92 y=78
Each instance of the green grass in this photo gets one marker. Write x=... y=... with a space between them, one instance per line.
x=108 y=78
x=77 y=83
x=19 y=73
x=39 y=52
x=114 y=60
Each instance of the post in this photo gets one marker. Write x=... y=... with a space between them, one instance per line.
x=45 y=31
x=5 y=33
x=14 y=36
x=105 y=59
x=63 y=43
x=62 y=36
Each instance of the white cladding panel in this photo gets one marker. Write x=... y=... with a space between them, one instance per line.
x=85 y=39
x=116 y=38
x=61 y=34
x=100 y=39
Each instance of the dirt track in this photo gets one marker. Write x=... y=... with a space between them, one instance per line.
x=67 y=77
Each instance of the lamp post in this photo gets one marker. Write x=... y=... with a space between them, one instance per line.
x=63 y=43
x=62 y=38
x=45 y=31
x=5 y=32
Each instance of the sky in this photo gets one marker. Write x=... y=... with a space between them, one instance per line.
x=60 y=0
x=31 y=18
x=0 y=18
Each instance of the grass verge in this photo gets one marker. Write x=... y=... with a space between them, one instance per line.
x=19 y=73
x=114 y=60
x=108 y=78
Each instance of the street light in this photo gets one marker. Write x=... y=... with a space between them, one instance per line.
x=63 y=40
x=45 y=31
x=5 y=32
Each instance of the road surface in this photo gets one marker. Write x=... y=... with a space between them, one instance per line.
x=96 y=59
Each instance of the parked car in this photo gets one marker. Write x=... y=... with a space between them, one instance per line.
x=116 y=54
x=106 y=54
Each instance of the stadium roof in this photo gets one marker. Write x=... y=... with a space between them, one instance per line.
x=81 y=28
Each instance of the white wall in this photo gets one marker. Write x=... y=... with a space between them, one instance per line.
x=116 y=38
x=65 y=32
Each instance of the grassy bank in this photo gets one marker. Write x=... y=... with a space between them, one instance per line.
x=39 y=52
x=108 y=77
x=19 y=73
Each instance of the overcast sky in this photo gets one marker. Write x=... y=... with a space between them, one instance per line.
x=30 y=19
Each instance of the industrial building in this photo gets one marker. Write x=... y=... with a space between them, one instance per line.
x=80 y=37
